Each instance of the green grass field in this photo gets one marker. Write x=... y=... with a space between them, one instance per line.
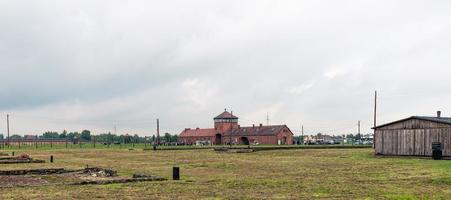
x=277 y=174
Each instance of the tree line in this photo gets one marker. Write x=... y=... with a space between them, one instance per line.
x=87 y=136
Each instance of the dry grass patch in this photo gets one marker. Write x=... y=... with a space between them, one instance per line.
x=278 y=174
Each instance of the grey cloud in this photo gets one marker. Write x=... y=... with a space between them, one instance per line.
x=316 y=62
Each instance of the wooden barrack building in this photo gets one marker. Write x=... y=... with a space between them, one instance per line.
x=413 y=136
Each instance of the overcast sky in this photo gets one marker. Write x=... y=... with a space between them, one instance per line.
x=94 y=64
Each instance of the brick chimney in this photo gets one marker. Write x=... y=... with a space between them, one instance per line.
x=261 y=125
x=439 y=114
x=253 y=125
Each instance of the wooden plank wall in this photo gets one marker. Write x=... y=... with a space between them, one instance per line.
x=378 y=141
x=420 y=143
x=412 y=142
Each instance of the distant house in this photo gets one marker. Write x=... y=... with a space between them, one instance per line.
x=30 y=137
x=227 y=131
x=322 y=139
x=413 y=136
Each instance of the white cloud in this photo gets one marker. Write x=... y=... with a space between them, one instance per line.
x=335 y=72
x=198 y=92
x=301 y=88
x=185 y=61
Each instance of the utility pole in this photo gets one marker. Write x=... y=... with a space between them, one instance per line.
x=375 y=118
x=158 y=131
x=157 y=140
x=7 y=129
x=267 y=119
x=358 y=132
x=109 y=139
x=302 y=133
x=375 y=107
x=115 y=133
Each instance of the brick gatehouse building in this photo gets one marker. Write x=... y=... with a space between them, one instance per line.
x=227 y=130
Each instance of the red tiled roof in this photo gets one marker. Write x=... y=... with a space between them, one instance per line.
x=204 y=132
x=226 y=115
x=257 y=130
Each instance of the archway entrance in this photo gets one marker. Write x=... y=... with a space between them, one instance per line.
x=244 y=141
x=284 y=140
x=218 y=139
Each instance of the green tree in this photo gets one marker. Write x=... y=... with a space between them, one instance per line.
x=63 y=134
x=1 y=136
x=299 y=139
x=73 y=135
x=358 y=136
x=136 y=138
x=86 y=135
x=103 y=137
x=174 y=138
x=121 y=139
x=15 y=136
x=50 y=134
x=127 y=139
x=167 y=137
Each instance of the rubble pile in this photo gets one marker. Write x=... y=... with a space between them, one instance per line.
x=99 y=172
x=85 y=176
x=23 y=158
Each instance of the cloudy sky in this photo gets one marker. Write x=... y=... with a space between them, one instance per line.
x=94 y=64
